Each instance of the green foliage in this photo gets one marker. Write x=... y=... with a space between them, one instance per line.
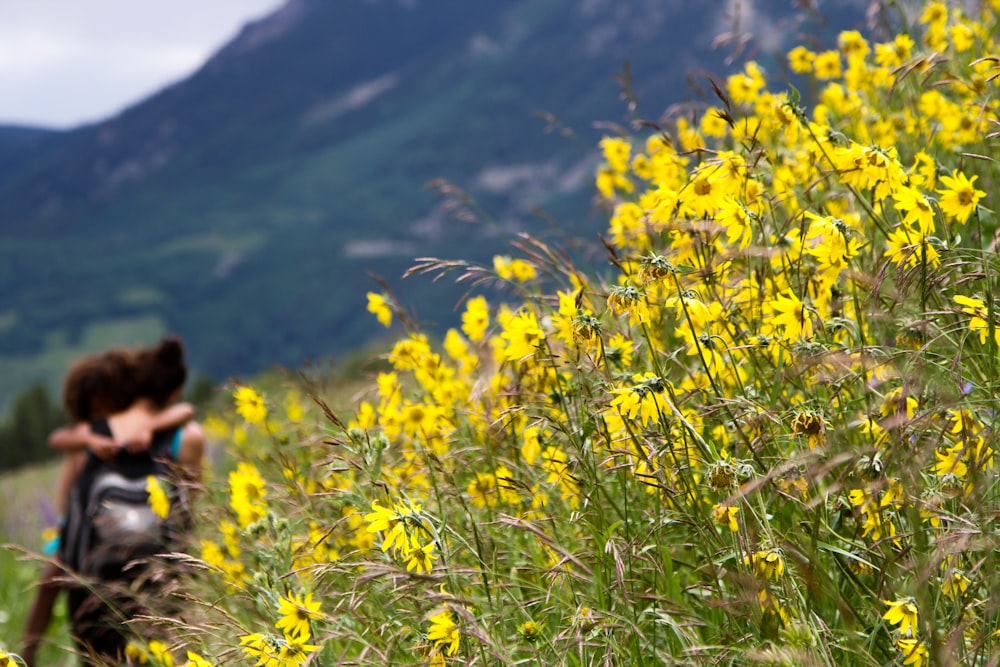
x=24 y=433
x=18 y=576
x=26 y=510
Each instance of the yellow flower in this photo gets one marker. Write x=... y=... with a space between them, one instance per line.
x=160 y=651
x=914 y=652
x=532 y=445
x=605 y=183
x=827 y=65
x=378 y=305
x=523 y=336
x=256 y=645
x=295 y=651
x=800 y=59
x=704 y=191
x=158 y=500
x=366 y=417
x=195 y=660
x=523 y=271
x=852 y=43
x=934 y=12
x=743 y=87
x=409 y=354
x=904 y=614
x=918 y=208
x=508 y=487
x=768 y=564
x=133 y=651
x=294 y=409
x=955 y=584
x=725 y=515
x=250 y=405
x=770 y=605
x=483 y=489
x=628 y=299
x=893 y=403
x=790 y=313
x=962 y=37
x=381 y=518
x=616 y=152
x=394 y=522
x=960 y=197
x=247 y=493
x=443 y=632
x=977 y=308
x=907 y=246
x=391 y=523
x=810 y=424
x=296 y=611
x=713 y=124
x=420 y=558
x=618 y=350
x=517 y=270
x=645 y=399
x=554 y=462
x=530 y=630
x=476 y=318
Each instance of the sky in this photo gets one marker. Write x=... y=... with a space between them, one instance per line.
x=68 y=62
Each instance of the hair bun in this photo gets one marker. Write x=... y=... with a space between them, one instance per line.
x=170 y=349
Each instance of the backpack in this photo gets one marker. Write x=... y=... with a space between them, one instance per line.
x=111 y=533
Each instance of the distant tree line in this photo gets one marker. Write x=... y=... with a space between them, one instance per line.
x=25 y=432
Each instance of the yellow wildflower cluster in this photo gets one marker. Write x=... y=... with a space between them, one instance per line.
x=780 y=403
x=157 y=654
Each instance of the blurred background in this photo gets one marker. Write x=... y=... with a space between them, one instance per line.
x=242 y=172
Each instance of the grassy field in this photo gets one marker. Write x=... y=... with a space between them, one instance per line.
x=25 y=505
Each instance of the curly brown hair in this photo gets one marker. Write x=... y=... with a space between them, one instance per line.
x=100 y=385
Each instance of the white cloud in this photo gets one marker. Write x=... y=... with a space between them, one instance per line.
x=63 y=62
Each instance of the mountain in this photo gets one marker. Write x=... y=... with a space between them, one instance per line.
x=18 y=143
x=248 y=206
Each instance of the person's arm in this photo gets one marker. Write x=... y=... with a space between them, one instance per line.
x=79 y=437
x=175 y=416
x=189 y=458
x=68 y=472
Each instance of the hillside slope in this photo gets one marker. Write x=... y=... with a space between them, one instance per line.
x=247 y=206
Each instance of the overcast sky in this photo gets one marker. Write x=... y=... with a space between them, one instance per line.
x=66 y=62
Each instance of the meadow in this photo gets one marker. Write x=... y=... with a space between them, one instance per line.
x=25 y=512
x=763 y=437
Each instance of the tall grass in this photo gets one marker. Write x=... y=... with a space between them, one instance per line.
x=764 y=437
x=26 y=510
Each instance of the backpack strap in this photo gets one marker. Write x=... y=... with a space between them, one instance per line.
x=73 y=533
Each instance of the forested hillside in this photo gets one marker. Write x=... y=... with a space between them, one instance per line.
x=248 y=207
